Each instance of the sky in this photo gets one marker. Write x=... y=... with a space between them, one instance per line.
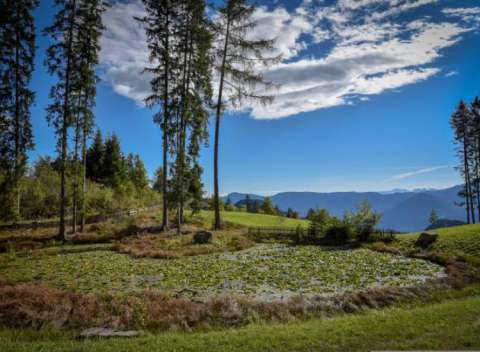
x=363 y=96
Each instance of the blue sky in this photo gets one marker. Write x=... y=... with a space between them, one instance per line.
x=366 y=91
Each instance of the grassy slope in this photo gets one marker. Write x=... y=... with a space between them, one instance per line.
x=255 y=220
x=459 y=239
x=451 y=325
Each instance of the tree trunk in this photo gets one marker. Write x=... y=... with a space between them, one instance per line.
x=75 y=176
x=165 y=131
x=218 y=223
x=66 y=116
x=477 y=181
x=83 y=214
x=467 y=179
x=18 y=156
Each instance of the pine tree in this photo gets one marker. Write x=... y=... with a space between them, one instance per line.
x=461 y=124
x=180 y=42
x=267 y=206
x=95 y=159
x=17 y=54
x=158 y=23
x=140 y=177
x=114 y=169
x=475 y=137
x=433 y=217
x=61 y=61
x=238 y=59
x=192 y=94
x=248 y=203
x=90 y=29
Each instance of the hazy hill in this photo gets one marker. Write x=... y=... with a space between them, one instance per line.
x=402 y=211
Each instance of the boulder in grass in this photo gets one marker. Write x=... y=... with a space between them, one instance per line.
x=426 y=239
x=107 y=332
x=202 y=237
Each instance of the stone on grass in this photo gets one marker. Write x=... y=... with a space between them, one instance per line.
x=426 y=239
x=107 y=332
x=202 y=237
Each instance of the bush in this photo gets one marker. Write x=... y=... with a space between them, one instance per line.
x=338 y=235
x=363 y=221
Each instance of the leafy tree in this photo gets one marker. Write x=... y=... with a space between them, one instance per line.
x=292 y=214
x=278 y=211
x=433 y=217
x=158 y=180
x=238 y=59
x=363 y=220
x=310 y=214
x=17 y=54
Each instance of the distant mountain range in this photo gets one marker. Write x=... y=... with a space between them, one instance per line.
x=402 y=210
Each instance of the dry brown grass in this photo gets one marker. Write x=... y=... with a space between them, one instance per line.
x=173 y=246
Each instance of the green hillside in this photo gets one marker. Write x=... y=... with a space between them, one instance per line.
x=254 y=220
x=459 y=239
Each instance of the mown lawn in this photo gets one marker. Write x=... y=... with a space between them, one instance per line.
x=254 y=220
x=459 y=239
x=453 y=325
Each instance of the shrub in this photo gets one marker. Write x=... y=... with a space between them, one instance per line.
x=338 y=235
x=363 y=221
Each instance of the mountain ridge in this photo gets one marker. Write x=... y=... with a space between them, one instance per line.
x=402 y=211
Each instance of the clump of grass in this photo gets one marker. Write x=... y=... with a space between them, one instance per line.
x=173 y=247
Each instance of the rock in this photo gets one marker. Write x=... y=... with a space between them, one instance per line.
x=426 y=239
x=202 y=237
x=107 y=332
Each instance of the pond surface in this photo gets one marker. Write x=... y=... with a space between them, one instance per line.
x=270 y=272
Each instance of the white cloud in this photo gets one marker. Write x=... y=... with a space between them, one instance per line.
x=124 y=52
x=471 y=14
x=419 y=172
x=368 y=54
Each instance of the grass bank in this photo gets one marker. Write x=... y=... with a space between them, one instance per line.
x=453 y=325
x=457 y=240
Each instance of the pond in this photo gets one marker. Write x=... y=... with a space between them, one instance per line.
x=270 y=272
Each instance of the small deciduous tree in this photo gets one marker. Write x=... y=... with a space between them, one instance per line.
x=363 y=220
x=433 y=218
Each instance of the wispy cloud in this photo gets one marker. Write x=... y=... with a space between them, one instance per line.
x=418 y=172
x=451 y=73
